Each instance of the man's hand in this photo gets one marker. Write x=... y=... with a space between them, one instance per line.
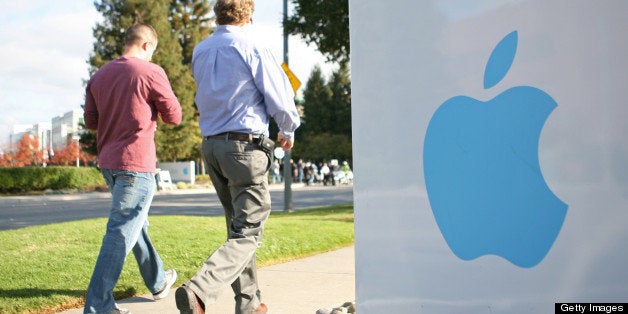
x=285 y=143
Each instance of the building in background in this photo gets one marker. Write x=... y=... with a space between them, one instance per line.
x=66 y=126
x=16 y=135
x=52 y=135
x=43 y=131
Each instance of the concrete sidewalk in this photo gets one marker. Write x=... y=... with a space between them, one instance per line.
x=298 y=287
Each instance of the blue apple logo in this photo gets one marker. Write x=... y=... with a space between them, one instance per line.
x=482 y=171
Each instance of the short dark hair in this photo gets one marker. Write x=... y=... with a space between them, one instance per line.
x=140 y=33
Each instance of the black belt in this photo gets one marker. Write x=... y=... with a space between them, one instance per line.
x=235 y=136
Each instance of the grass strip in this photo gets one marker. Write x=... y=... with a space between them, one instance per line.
x=47 y=268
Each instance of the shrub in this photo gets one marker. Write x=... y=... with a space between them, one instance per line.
x=29 y=179
x=202 y=179
x=324 y=146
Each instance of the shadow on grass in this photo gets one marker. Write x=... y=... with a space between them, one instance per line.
x=76 y=297
x=37 y=293
x=28 y=300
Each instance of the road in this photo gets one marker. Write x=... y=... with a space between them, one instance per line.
x=23 y=211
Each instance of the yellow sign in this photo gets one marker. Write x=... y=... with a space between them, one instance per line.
x=294 y=81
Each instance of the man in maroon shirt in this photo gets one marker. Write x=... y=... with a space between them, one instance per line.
x=122 y=102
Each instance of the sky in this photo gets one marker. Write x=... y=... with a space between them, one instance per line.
x=45 y=45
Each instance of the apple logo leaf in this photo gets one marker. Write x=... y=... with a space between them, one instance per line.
x=500 y=61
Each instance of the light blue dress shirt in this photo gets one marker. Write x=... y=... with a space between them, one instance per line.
x=240 y=85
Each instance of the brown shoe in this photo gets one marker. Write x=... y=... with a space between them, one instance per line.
x=261 y=309
x=188 y=302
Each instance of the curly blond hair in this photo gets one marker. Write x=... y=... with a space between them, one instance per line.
x=229 y=12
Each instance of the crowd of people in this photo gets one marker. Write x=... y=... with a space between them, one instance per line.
x=312 y=172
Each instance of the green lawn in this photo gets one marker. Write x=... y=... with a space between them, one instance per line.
x=47 y=268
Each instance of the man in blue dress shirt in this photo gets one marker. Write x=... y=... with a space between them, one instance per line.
x=240 y=86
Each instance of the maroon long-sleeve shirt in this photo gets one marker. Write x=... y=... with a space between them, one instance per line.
x=122 y=102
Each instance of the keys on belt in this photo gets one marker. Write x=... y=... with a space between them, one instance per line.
x=235 y=136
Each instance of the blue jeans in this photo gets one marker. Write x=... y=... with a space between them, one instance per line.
x=276 y=178
x=127 y=229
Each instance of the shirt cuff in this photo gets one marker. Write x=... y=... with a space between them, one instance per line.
x=287 y=135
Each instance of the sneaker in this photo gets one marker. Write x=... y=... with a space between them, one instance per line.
x=171 y=277
x=121 y=310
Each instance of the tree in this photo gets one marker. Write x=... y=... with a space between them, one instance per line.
x=191 y=22
x=340 y=102
x=326 y=130
x=316 y=97
x=6 y=160
x=88 y=141
x=324 y=23
x=327 y=106
x=173 y=142
x=28 y=153
x=68 y=155
x=325 y=146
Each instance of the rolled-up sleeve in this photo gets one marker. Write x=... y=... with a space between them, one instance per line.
x=278 y=94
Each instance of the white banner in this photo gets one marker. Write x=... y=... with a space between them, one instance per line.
x=490 y=153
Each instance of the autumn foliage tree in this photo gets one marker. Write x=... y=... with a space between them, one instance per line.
x=70 y=154
x=27 y=154
x=6 y=160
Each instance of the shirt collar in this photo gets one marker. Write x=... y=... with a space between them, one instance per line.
x=229 y=29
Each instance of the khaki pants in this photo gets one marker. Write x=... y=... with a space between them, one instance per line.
x=239 y=173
